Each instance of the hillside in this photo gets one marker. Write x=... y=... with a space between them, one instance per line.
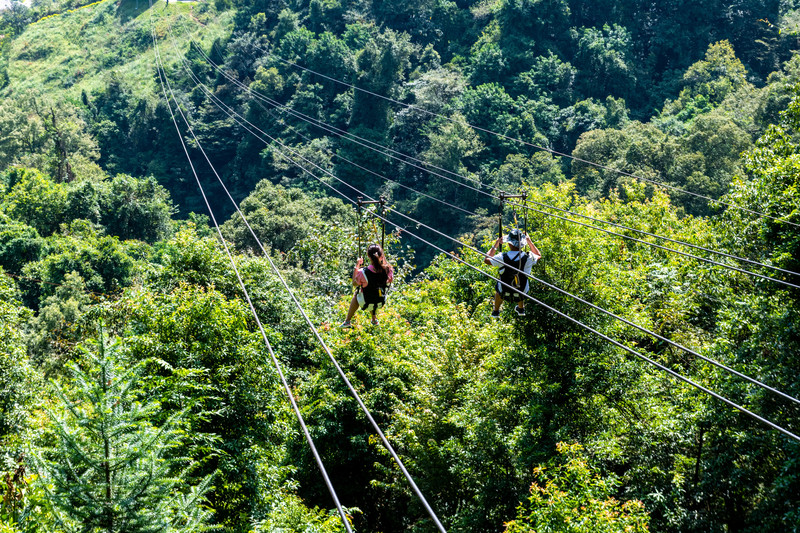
x=78 y=50
x=179 y=224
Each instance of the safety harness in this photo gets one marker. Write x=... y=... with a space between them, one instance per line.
x=513 y=276
x=375 y=291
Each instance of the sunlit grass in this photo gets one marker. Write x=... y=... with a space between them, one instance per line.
x=79 y=50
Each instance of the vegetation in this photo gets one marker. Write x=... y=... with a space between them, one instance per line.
x=136 y=392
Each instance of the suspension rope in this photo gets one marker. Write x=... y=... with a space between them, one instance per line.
x=198 y=82
x=605 y=311
x=379 y=148
x=613 y=315
x=609 y=313
x=324 y=345
x=579 y=323
x=612 y=341
x=528 y=208
x=640 y=328
x=366 y=143
x=527 y=143
x=589 y=328
x=162 y=79
x=669 y=239
x=242 y=121
x=667 y=249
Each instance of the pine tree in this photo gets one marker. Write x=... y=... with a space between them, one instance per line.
x=109 y=469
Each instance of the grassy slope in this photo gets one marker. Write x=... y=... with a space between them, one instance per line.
x=76 y=51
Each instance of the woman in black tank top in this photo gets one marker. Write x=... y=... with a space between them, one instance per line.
x=372 y=283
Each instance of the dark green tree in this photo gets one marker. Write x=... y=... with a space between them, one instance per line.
x=137 y=209
x=17 y=378
x=381 y=66
x=548 y=76
x=604 y=62
x=110 y=468
x=530 y=28
x=19 y=244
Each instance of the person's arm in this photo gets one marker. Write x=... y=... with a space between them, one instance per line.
x=356 y=270
x=536 y=253
x=496 y=246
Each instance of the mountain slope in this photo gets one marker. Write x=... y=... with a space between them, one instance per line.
x=77 y=50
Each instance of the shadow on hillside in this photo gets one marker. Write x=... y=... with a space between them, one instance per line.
x=130 y=9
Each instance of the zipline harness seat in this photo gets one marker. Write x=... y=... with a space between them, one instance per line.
x=373 y=296
x=509 y=276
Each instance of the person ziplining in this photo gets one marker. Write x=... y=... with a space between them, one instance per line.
x=516 y=276
x=515 y=265
x=372 y=283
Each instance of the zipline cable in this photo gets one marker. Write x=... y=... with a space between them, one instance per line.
x=657 y=236
x=612 y=341
x=218 y=102
x=665 y=248
x=198 y=82
x=577 y=322
x=289 y=393
x=585 y=326
x=384 y=150
x=527 y=143
x=380 y=149
x=577 y=298
x=324 y=345
x=609 y=313
x=613 y=315
x=233 y=114
x=594 y=306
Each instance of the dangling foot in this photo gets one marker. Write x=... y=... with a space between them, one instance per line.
x=520 y=311
x=346 y=325
x=496 y=314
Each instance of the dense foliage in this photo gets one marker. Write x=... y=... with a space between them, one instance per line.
x=136 y=390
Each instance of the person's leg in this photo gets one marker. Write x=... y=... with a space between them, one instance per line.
x=353 y=308
x=522 y=298
x=498 y=301
x=520 y=309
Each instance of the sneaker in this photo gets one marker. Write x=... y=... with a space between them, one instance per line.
x=520 y=311
x=374 y=321
x=346 y=325
x=496 y=314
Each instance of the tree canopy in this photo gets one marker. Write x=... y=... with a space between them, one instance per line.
x=656 y=144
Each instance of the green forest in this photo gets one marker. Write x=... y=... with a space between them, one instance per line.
x=179 y=221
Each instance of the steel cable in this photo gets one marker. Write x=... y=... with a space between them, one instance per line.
x=218 y=102
x=529 y=144
x=616 y=343
x=313 y=328
x=295 y=408
x=587 y=327
x=377 y=147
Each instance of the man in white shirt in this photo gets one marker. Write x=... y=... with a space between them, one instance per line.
x=515 y=267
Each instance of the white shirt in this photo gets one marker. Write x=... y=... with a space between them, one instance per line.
x=497 y=260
